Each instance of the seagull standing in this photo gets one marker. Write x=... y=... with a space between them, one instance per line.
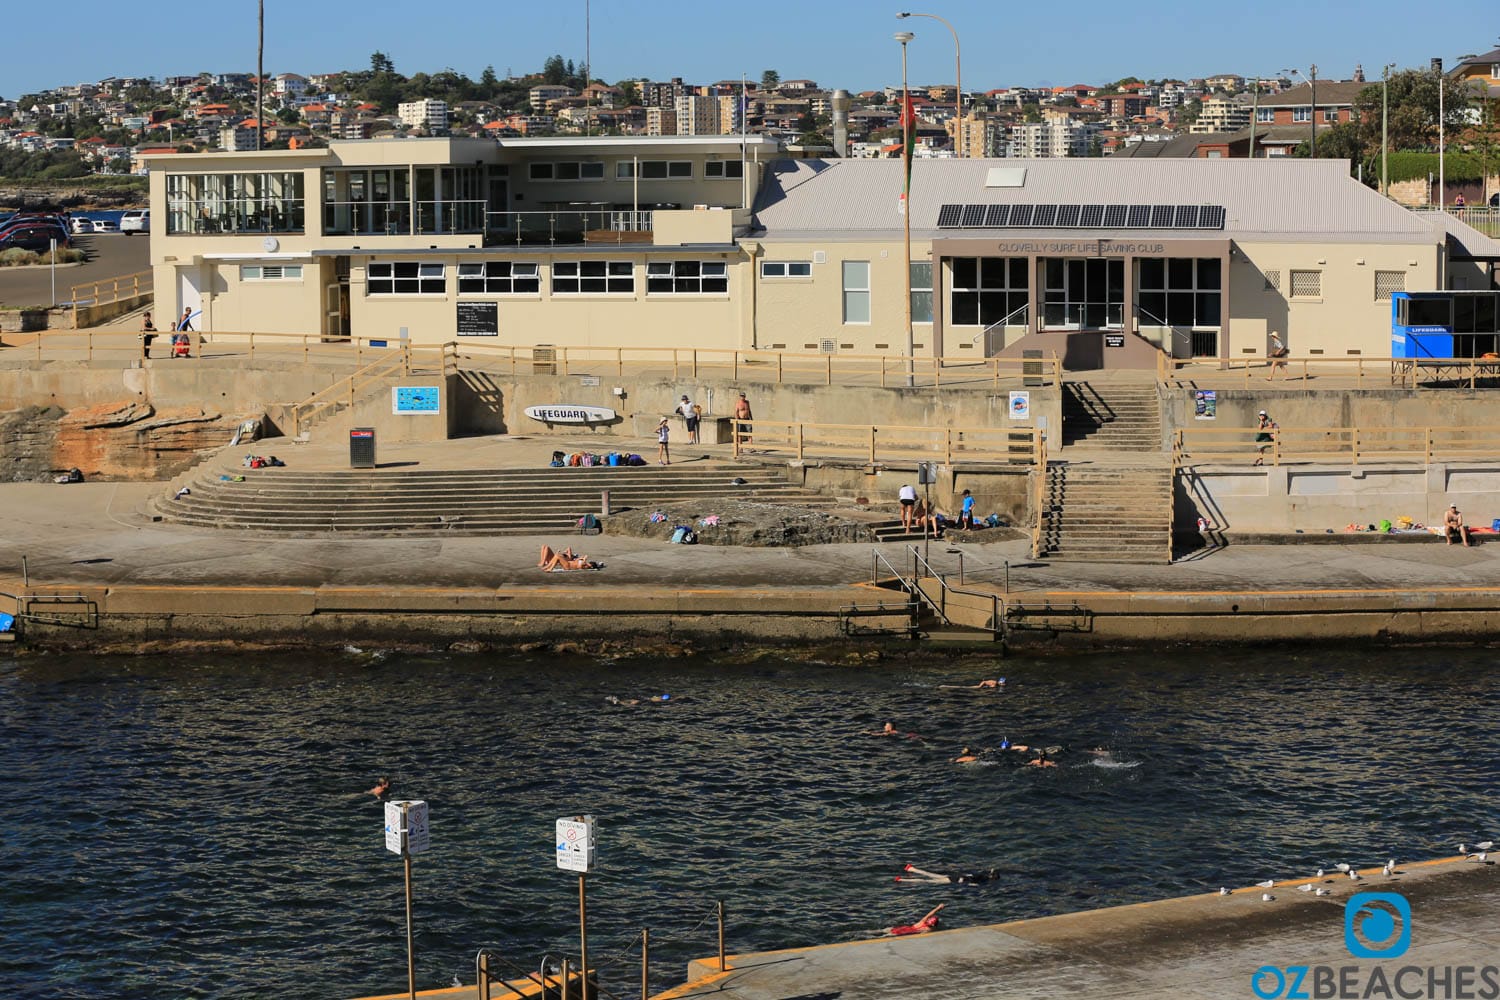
x=1321 y=873
x=1354 y=876
x=1268 y=883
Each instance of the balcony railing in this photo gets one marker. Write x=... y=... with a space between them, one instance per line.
x=403 y=218
x=570 y=226
x=1485 y=218
x=237 y=217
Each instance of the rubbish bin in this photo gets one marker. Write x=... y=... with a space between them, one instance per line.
x=361 y=447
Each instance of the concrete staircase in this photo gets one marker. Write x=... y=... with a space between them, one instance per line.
x=1112 y=416
x=1108 y=513
x=472 y=501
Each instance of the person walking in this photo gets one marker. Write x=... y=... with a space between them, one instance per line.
x=908 y=497
x=663 y=431
x=1265 y=436
x=186 y=322
x=1277 y=354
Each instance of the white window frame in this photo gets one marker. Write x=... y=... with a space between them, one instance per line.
x=613 y=277
x=1330 y=115
x=856 y=292
x=480 y=280
x=427 y=279
x=270 y=272
x=777 y=270
x=581 y=170
x=687 y=277
x=1265 y=116
x=1302 y=115
x=728 y=170
x=919 y=288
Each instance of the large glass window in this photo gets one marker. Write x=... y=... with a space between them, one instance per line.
x=687 y=277
x=856 y=291
x=1083 y=293
x=1179 y=291
x=406 y=278
x=921 y=291
x=593 y=277
x=236 y=203
x=367 y=202
x=656 y=170
x=989 y=290
x=498 y=277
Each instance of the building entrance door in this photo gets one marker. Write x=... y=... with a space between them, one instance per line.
x=1083 y=293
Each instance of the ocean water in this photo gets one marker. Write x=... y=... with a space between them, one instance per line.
x=199 y=826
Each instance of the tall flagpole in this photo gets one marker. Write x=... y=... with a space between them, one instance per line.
x=906 y=129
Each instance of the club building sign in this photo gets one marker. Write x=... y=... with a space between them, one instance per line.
x=1144 y=247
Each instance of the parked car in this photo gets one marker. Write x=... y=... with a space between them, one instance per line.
x=136 y=221
x=105 y=226
x=83 y=224
x=54 y=228
x=32 y=237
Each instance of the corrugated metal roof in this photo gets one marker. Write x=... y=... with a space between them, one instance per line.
x=1463 y=239
x=1296 y=200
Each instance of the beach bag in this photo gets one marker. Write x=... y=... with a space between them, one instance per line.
x=1385 y=527
x=614 y=459
x=588 y=461
x=1495 y=525
x=559 y=459
x=636 y=460
x=575 y=459
x=588 y=524
x=683 y=535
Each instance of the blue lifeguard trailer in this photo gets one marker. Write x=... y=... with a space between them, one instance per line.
x=1452 y=324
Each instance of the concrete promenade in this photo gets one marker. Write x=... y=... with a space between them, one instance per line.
x=1192 y=948
x=98 y=538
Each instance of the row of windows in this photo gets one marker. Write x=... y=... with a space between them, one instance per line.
x=649 y=170
x=569 y=277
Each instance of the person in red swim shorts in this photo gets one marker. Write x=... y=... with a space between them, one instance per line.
x=927 y=923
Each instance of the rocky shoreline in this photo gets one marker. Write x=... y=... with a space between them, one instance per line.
x=43 y=196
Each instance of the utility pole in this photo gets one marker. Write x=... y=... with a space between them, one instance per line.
x=1442 y=199
x=1314 y=83
x=1385 y=143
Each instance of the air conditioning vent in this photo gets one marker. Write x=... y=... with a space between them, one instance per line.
x=828 y=346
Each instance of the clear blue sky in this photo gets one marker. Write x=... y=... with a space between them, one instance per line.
x=835 y=42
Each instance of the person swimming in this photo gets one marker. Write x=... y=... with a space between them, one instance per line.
x=1041 y=760
x=968 y=756
x=382 y=786
x=617 y=700
x=889 y=729
x=991 y=683
x=927 y=923
x=953 y=878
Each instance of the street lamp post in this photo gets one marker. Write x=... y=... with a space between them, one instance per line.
x=1385 y=144
x=1312 y=82
x=958 y=75
x=1437 y=70
x=906 y=126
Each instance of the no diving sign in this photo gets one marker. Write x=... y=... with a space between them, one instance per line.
x=575 y=844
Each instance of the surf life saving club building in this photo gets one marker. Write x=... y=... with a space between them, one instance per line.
x=719 y=242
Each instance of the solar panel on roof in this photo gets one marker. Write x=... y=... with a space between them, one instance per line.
x=1114 y=216
x=1161 y=216
x=1186 y=217
x=1044 y=215
x=948 y=216
x=1092 y=216
x=996 y=216
x=1211 y=217
x=973 y=216
x=1140 y=216
x=1020 y=215
x=1067 y=215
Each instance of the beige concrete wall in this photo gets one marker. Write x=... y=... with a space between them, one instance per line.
x=1313 y=499
x=798 y=314
x=231 y=303
x=670 y=228
x=637 y=320
x=1337 y=409
x=1346 y=319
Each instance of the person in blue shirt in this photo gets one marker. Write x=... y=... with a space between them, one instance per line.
x=966 y=515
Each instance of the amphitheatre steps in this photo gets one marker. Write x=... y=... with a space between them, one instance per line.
x=471 y=501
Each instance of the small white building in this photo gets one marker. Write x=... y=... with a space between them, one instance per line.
x=426 y=112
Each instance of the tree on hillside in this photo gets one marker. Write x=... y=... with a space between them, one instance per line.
x=381 y=63
x=769 y=80
x=630 y=94
x=554 y=70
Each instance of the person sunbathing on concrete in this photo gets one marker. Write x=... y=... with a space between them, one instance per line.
x=567 y=559
x=915 y=874
x=927 y=923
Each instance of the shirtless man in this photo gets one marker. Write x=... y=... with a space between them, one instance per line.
x=381 y=787
x=1454 y=527
x=742 y=412
x=1041 y=760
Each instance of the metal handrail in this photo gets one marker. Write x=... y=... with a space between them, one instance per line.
x=875 y=443
x=1003 y=321
x=397 y=358
x=997 y=603
x=1039 y=497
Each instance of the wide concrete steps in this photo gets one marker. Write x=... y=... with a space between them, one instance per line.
x=1108 y=515
x=1114 y=417
x=474 y=502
